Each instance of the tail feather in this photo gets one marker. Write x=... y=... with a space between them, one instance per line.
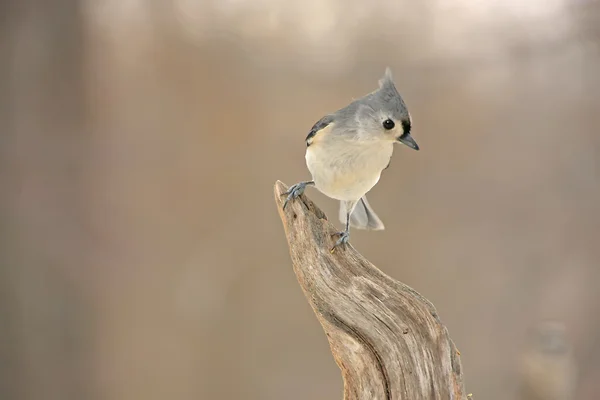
x=362 y=217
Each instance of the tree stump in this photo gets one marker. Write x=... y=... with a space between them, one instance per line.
x=385 y=337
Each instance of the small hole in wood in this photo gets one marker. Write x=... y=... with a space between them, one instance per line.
x=295 y=216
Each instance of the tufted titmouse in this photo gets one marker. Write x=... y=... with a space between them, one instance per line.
x=347 y=150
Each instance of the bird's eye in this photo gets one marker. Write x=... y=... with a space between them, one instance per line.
x=388 y=124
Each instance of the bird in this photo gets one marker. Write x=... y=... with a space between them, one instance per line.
x=347 y=150
x=547 y=367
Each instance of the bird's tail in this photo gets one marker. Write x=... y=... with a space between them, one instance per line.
x=362 y=217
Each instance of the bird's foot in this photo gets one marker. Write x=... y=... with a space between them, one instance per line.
x=344 y=238
x=294 y=192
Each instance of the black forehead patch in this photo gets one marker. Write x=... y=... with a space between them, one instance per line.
x=406 y=126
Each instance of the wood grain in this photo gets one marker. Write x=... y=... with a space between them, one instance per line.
x=386 y=338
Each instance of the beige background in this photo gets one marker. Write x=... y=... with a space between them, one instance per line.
x=141 y=254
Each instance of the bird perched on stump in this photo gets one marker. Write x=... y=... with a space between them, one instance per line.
x=347 y=150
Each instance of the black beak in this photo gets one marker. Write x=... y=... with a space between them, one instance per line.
x=409 y=141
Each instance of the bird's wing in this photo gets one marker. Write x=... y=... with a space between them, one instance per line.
x=317 y=127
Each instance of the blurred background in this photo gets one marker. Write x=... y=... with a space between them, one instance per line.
x=141 y=253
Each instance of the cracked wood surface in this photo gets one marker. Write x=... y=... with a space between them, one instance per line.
x=386 y=338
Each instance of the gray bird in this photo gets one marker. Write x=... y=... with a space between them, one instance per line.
x=347 y=150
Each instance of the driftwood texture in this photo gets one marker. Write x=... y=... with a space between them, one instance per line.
x=386 y=338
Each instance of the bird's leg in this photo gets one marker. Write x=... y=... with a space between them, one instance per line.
x=345 y=234
x=296 y=190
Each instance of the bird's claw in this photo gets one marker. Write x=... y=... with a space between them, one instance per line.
x=294 y=192
x=344 y=238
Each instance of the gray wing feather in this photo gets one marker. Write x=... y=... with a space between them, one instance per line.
x=322 y=123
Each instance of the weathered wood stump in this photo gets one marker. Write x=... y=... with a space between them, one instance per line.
x=386 y=338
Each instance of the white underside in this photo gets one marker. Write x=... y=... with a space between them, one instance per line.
x=346 y=170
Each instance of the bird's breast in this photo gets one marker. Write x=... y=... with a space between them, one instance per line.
x=347 y=170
